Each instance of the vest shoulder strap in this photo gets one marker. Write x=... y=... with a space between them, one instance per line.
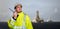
x=24 y=16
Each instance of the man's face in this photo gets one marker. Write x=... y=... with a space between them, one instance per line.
x=18 y=8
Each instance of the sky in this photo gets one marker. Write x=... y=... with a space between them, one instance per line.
x=46 y=8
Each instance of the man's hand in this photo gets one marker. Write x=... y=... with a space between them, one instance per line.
x=15 y=15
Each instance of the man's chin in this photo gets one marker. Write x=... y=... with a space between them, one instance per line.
x=19 y=11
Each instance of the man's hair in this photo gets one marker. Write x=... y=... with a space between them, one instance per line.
x=18 y=5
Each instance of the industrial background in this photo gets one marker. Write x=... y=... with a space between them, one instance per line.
x=46 y=8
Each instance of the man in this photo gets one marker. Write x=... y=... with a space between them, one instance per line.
x=19 y=20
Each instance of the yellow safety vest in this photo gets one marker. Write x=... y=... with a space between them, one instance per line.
x=22 y=20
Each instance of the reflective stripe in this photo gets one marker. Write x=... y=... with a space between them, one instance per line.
x=17 y=27
x=12 y=21
x=24 y=27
